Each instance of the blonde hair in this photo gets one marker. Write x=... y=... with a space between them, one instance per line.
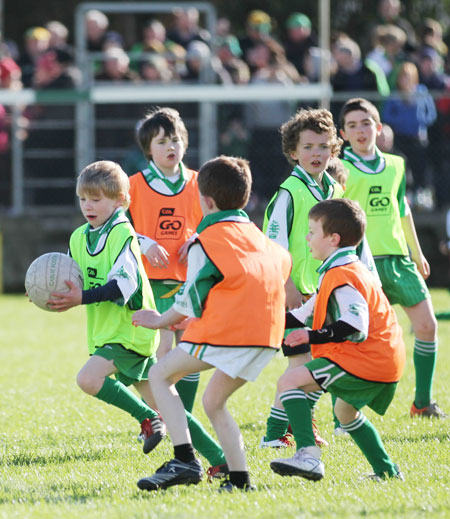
x=106 y=177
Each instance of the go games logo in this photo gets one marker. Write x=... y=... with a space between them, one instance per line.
x=169 y=226
x=378 y=202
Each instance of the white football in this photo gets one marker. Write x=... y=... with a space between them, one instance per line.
x=48 y=274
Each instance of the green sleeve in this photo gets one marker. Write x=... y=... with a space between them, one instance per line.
x=401 y=196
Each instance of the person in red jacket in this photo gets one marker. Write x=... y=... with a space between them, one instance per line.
x=356 y=344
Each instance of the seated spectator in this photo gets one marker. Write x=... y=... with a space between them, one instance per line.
x=55 y=69
x=186 y=27
x=312 y=63
x=387 y=50
x=36 y=41
x=10 y=74
x=389 y=13
x=112 y=39
x=430 y=65
x=229 y=52
x=10 y=79
x=97 y=24
x=154 y=41
x=59 y=35
x=116 y=67
x=352 y=73
x=299 y=39
x=409 y=116
x=258 y=29
x=202 y=66
x=431 y=37
x=155 y=68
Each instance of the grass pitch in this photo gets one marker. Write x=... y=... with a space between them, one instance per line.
x=64 y=454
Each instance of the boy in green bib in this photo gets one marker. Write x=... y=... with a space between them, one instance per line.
x=309 y=141
x=377 y=181
x=115 y=286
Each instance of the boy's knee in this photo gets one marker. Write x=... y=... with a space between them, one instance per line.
x=87 y=384
x=286 y=382
x=426 y=329
x=209 y=403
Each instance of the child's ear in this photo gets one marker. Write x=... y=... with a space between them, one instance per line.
x=120 y=200
x=335 y=239
x=342 y=134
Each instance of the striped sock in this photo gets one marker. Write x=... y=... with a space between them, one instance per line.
x=187 y=389
x=368 y=440
x=277 y=424
x=313 y=398
x=298 y=411
x=425 y=353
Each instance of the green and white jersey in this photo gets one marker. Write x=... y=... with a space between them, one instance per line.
x=286 y=222
x=112 y=252
x=202 y=274
x=345 y=303
x=379 y=186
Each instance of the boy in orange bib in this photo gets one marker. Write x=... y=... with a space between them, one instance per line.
x=356 y=343
x=234 y=274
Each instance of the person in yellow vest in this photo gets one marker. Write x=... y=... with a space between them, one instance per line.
x=309 y=141
x=165 y=212
x=377 y=181
x=115 y=285
x=235 y=295
x=356 y=344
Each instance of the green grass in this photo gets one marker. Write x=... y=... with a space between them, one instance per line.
x=66 y=455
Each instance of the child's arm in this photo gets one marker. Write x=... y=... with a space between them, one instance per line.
x=414 y=246
x=155 y=253
x=184 y=249
x=154 y=320
x=351 y=320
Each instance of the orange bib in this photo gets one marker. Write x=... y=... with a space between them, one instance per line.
x=169 y=220
x=247 y=308
x=381 y=357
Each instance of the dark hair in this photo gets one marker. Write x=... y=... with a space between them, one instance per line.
x=358 y=103
x=227 y=180
x=341 y=216
x=338 y=171
x=166 y=118
x=318 y=120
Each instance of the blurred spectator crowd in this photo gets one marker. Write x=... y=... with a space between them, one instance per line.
x=400 y=63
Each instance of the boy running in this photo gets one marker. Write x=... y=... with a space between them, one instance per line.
x=356 y=343
x=234 y=274
x=115 y=285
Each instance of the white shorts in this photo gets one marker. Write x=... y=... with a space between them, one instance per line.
x=236 y=362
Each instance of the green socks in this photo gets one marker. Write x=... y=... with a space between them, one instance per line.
x=117 y=394
x=277 y=424
x=298 y=410
x=425 y=354
x=368 y=440
x=187 y=389
x=204 y=442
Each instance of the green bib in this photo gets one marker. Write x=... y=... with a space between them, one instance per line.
x=305 y=196
x=108 y=322
x=377 y=195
